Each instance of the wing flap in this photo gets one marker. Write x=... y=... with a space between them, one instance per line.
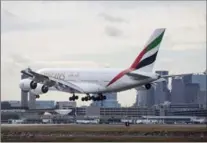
x=71 y=85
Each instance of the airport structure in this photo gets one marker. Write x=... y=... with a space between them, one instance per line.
x=74 y=114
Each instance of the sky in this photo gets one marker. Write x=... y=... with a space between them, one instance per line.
x=97 y=34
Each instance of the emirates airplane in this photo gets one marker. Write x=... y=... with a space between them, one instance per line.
x=98 y=81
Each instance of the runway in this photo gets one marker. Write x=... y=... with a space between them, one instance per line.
x=108 y=125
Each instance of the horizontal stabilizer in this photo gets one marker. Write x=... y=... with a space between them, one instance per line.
x=159 y=80
x=175 y=75
x=140 y=75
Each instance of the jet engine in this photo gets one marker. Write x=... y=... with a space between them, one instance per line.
x=41 y=89
x=27 y=84
x=148 y=86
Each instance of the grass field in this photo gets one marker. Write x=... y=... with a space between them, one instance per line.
x=91 y=133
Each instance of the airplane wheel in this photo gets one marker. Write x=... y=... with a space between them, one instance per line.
x=98 y=98
x=37 y=96
x=89 y=97
x=76 y=97
x=148 y=86
x=86 y=99
x=93 y=98
x=70 y=98
x=104 y=97
x=83 y=99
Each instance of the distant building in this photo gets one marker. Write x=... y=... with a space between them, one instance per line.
x=187 y=79
x=202 y=99
x=45 y=104
x=160 y=95
x=195 y=88
x=178 y=91
x=201 y=79
x=15 y=103
x=192 y=91
x=183 y=107
x=111 y=101
x=162 y=92
x=65 y=104
x=144 y=98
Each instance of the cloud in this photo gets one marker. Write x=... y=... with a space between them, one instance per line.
x=68 y=64
x=112 y=31
x=188 y=46
x=111 y=18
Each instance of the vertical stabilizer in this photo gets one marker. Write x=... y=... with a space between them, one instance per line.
x=146 y=59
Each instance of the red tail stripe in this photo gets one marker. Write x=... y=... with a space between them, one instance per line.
x=133 y=66
x=120 y=75
x=136 y=62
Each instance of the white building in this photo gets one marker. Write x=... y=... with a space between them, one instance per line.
x=15 y=103
x=65 y=104
x=45 y=104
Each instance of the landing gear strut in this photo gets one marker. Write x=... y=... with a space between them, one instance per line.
x=73 y=98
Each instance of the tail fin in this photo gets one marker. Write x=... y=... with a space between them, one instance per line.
x=146 y=59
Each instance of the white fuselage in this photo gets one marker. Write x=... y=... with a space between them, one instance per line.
x=94 y=80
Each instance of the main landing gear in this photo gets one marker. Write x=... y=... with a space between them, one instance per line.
x=73 y=98
x=94 y=98
x=88 y=97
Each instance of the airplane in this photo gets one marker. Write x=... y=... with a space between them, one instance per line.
x=98 y=81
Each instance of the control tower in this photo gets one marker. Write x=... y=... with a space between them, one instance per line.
x=31 y=104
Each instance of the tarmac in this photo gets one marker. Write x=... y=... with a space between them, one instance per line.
x=112 y=125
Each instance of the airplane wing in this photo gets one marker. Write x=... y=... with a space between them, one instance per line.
x=164 y=77
x=175 y=75
x=52 y=82
x=159 y=80
x=137 y=75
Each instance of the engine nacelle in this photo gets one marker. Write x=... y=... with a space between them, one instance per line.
x=41 y=89
x=27 y=84
x=148 y=86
